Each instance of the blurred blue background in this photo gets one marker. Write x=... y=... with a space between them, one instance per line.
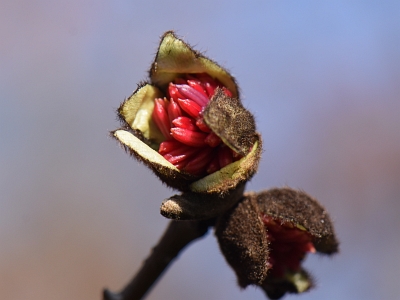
x=77 y=214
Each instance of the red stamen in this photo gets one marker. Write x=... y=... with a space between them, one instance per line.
x=212 y=140
x=288 y=245
x=191 y=145
x=173 y=92
x=174 y=110
x=198 y=165
x=190 y=107
x=177 y=152
x=178 y=156
x=196 y=84
x=213 y=166
x=224 y=156
x=175 y=159
x=160 y=117
x=181 y=165
x=189 y=137
x=209 y=84
x=236 y=156
x=164 y=102
x=227 y=92
x=181 y=148
x=192 y=94
x=309 y=247
x=185 y=123
x=210 y=89
x=202 y=125
x=168 y=146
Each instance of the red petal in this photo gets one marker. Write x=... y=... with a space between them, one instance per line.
x=185 y=123
x=192 y=94
x=168 y=146
x=174 y=148
x=180 y=165
x=224 y=156
x=164 y=102
x=213 y=166
x=173 y=92
x=196 y=84
x=174 y=110
x=202 y=125
x=236 y=156
x=191 y=107
x=189 y=137
x=212 y=140
x=176 y=152
x=160 y=116
x=227 y=92
x=209 y=84
x=175 y=159
x=178 y=156
x=310 y=247
x=198 y=165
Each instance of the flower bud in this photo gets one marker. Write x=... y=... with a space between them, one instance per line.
x=266 y=236
x=188 y=125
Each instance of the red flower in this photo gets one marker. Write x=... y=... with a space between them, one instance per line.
x=190 y=144
x=288 y=245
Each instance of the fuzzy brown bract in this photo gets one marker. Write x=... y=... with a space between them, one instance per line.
x=242 y=239
x=233 y=123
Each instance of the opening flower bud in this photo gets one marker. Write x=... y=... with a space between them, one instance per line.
x=197 y=149
x=187 y=123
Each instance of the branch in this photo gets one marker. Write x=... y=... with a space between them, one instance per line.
x=176 y=237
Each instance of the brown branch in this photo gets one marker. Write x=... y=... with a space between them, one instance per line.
x=176 y=237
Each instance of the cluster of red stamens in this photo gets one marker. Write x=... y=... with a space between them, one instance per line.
x=288 y=245
x=190 y=144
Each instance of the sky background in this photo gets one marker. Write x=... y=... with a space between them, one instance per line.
x=77 y=214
